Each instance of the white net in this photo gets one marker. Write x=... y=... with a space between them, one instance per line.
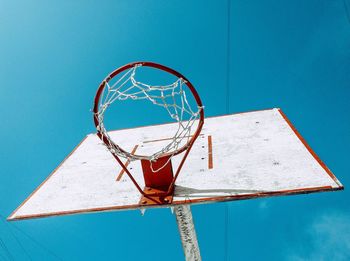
x=171 y=97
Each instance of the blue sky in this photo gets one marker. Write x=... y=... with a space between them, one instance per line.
x=289 y=54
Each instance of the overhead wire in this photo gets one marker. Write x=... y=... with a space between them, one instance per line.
x=228 y=54
x=53 y=254
x=6 y=250
x=228 y=68
x=17 y=240
x=346 y=10
x=2 y=257
x=38 y=243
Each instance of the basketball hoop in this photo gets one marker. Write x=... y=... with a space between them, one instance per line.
x=121 y=85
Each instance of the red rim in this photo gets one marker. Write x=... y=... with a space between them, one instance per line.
x=160 y=67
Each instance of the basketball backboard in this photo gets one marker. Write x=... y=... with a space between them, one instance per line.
x=238 y=156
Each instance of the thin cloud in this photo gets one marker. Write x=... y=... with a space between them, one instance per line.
x=329 y=239
x=263 y=205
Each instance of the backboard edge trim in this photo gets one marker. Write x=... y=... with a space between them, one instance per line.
x=180 y=202
x=47 y=178
x=311 y=151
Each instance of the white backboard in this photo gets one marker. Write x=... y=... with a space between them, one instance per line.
x=238 y=156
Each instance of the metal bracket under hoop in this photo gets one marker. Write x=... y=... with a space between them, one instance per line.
x=158 y=176
x=155 y=200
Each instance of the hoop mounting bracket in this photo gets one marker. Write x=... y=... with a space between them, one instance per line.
x=158 y=176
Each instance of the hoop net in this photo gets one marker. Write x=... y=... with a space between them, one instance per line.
x=171 y=97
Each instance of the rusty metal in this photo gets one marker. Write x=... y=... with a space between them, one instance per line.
x=150 y=199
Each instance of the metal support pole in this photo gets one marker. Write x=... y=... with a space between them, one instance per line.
x=187 y=232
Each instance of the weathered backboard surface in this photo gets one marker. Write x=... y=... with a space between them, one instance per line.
x=239 y=156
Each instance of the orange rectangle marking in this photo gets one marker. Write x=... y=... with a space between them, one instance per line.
x=126 y=164
x=210 y=152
